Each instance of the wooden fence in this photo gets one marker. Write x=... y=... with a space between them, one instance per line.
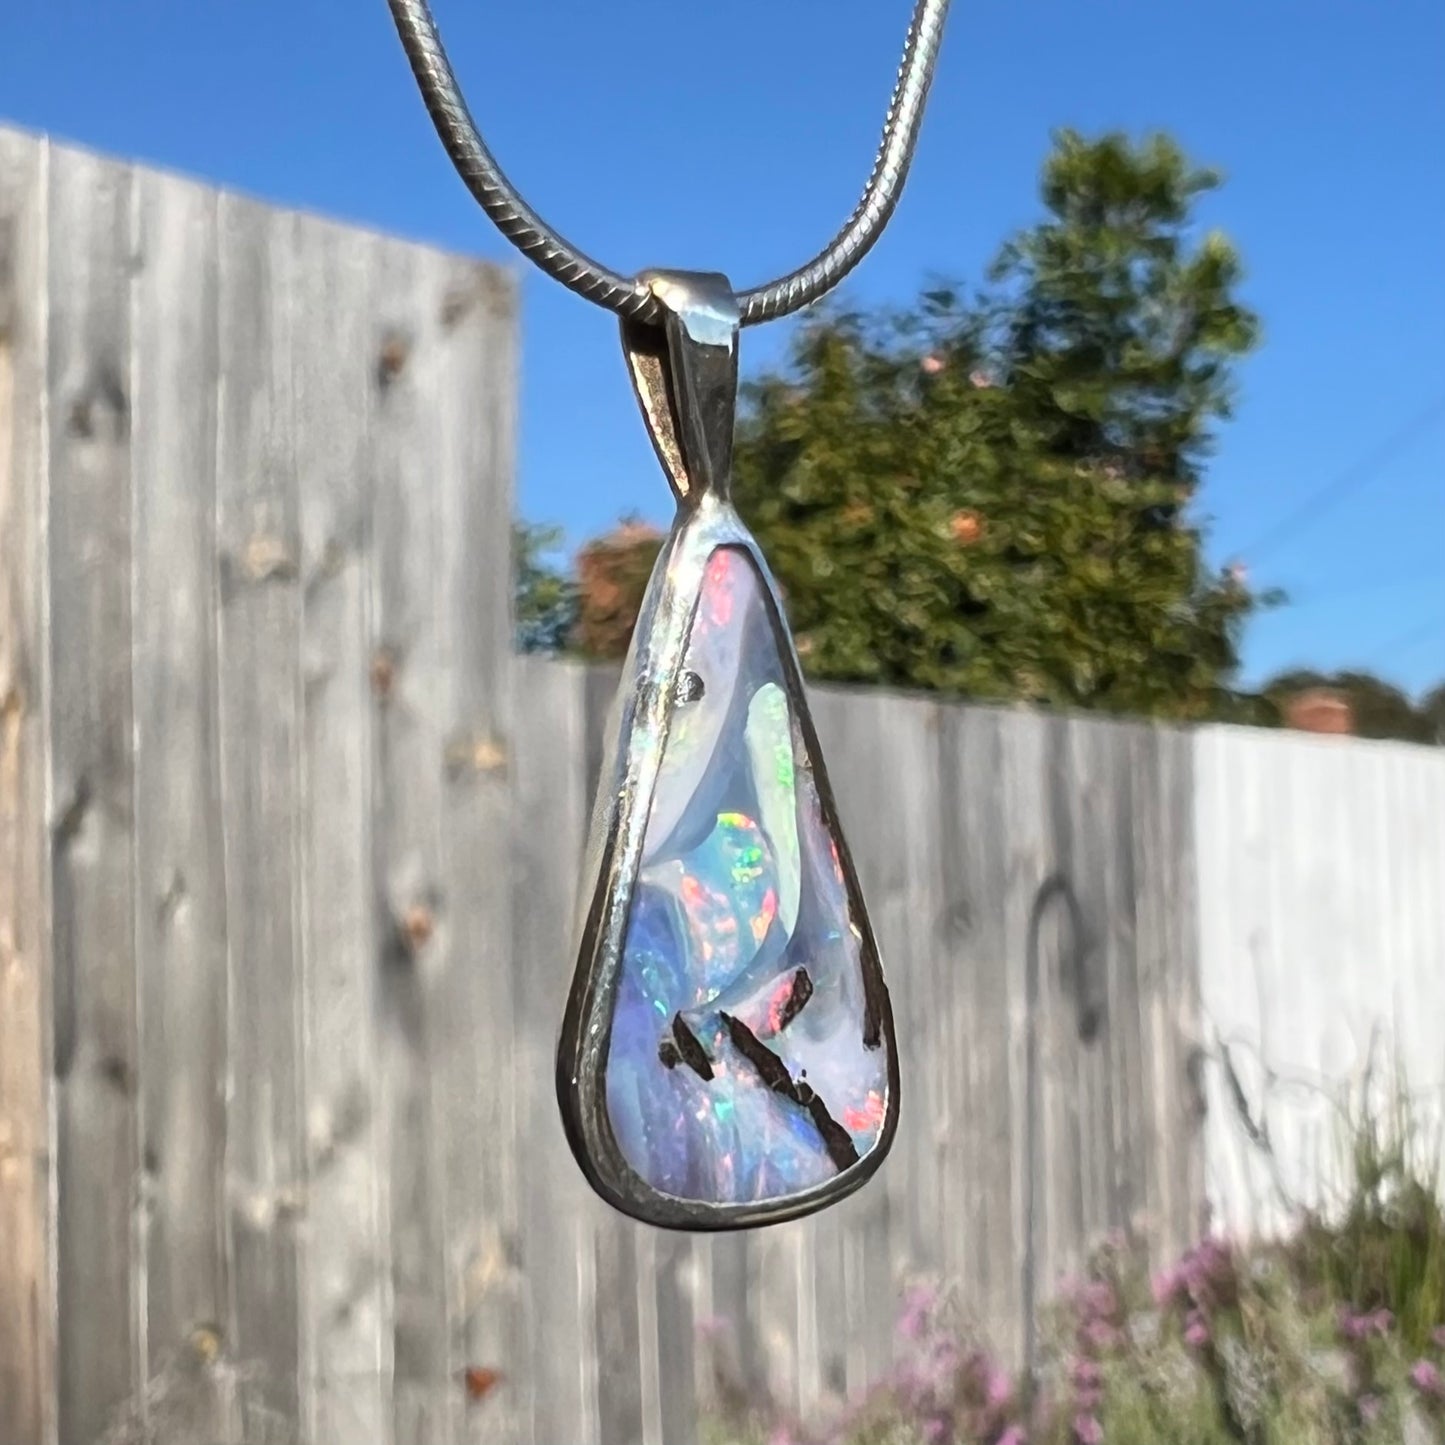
x=288 y=840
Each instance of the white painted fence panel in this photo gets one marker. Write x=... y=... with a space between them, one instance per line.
x=1322 y=935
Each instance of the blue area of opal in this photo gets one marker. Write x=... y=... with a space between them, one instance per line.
x=738 y=1069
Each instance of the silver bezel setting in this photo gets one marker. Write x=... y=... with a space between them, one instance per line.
x=632 y=756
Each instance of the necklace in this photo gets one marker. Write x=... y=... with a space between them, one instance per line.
x=727 y=1055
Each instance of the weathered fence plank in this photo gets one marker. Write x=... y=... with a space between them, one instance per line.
x=924 y=999
x=1096 y=827
x=979 y=1029
x=27 y=1303
x=1063 y=949
x=179 y=871
x=556 y=1384
x=879 y=759
x=408 y=680
x=675 y=1266
x=101 y=1336
x=259 y=683
x=471 y=404
x=346 y=1342
x=1166 y=929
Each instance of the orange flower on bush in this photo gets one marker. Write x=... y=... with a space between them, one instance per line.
x=967 y=527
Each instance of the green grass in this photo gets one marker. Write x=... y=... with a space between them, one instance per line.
x=1385 y=1247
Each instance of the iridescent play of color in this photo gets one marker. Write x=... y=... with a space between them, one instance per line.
x=738 y=1069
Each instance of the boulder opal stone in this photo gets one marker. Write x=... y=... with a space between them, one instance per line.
x=746 y=1061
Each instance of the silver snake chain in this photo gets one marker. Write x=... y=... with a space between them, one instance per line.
x=631 y=298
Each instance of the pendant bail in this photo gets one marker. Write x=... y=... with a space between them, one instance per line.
x=685 y=375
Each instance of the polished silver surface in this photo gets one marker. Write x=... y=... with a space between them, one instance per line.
x=683 y=372
x=685 y=376
x=631 y=297
x=701 y=327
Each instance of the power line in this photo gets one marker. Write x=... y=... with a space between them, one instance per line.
x=1358 y=587
x=1347 y=481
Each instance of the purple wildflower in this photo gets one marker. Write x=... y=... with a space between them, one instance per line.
x=946 y=1359
x=1206 y=1273
x=1014 y=1435
x=1438 y=1338
x=935 y=1431
x=1167 y=1285
x=781 y=1436
x=928 y=1381
x=918 y=1306
x=1099 y=1301
x=1369 y=1407
x=1196 y=1330
x=906 y=1378
x=1085 y=1373
x=1100 y=1335
x=1087 y=1430
x=1089 y=1398
x=1425 y=1377
x=1356 y=1327
x=998 y=1388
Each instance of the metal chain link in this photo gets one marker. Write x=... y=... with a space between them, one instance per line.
x=629 y=298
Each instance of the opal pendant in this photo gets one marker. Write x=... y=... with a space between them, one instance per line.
x=727 y=1056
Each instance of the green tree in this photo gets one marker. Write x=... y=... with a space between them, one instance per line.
x=1118 y=332
x=1432 y=709
x=544 y=597
x=989 y=496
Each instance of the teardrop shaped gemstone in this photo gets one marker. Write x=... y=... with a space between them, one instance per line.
x=748 y=1057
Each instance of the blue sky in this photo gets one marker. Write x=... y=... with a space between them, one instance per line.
x=734 y=136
